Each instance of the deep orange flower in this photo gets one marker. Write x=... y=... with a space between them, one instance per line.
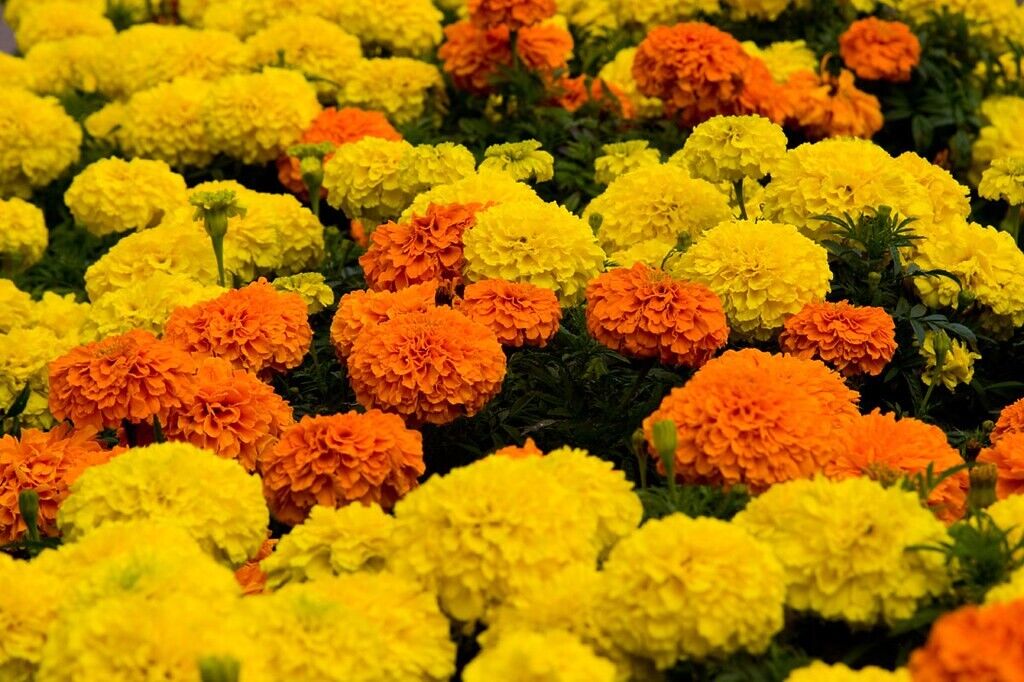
x=1011 y=420
x=251 y=575
x=527 y=449
x=132 y=377
x=544 y=47
x=513 y=14
x=339 y=459
x=762 y=95
x=47 y=462
x=852 y=339
x=519 y=313
x=231 y=413
x=429 y=367
x=753 y=418
x=830 y=106
x=974 y=644
x=883 y=448
x=1007 y=453
x=256 y=328
x=472 y=55
x=880 y=50
x=360 y=309
x=571 y=93
x=426 y=248
x=642 y=312
x=339 y=126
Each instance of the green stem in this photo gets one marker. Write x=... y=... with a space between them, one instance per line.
x=739 y=198
x=923 y=409
x=218 y=252
x=314 y=201
x=1015 y=212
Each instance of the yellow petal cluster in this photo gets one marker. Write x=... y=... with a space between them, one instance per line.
x=552 y=656
x=165 y=122
x=785 y=57
x=522 y=160
x=483 y=187
x=398 y=87
x=38 y=141
x=732 y=148
x=23 y=235
x=402 y=27
x=998 y=137
x=620 y=158
x=1004 y=179
x=146 y=303
x=823 y=672
x=957 y=366
x=48 y=21
x=311 y=286
x=363 y=179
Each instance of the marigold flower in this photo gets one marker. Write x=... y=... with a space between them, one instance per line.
x=880 y=50
x=950 y=200
x=822 y=672
x=784 y=58
x=132 y=377
x=731 y=148
x=251 y=576
x=472 y=56
x=957 y=366
x=25 y=353
x=544 y=48
x=398 y=87
x=1011 y=420
x=28 y=607
x=358 y=310
x=555 y=656
x=432 y=366
x=751 y=418
x=832 y=106
x=652 y=252
x=522 y=160
x=852 y=339
x=1004 y=180
x=363 y=179
x=514 y=14
x=24 y=237
x=311 y=286
x=519 y=313
x=527 y=449
x=165 y=122
x=255 y=328
x=1007 y=454
x=997 y=137
x=973 y=643
x=46 y=462
x=884 y=449
x=38 y=141
x=485 y=187
x=339 y=459
x=1010 y=590
x=620 y=158
x=401 y=27
x=48 y=21
x=643 y=312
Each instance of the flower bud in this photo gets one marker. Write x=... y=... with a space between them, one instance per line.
x=664 y=438
x=982 y=493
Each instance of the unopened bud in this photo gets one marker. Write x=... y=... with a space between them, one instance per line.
x=28 y=505
x=965 y=299
x=982 y=494
x=663 y=434
x=595 y=221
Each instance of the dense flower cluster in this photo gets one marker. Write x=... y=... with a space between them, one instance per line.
x=519 y=314
x=854 y=340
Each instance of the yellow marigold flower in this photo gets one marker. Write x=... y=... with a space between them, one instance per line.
x=477 y=534
x=15 y=9
x=950 y=200
x=784 y=58
x=655 y=202
x=731 y=148
x=311 y=286
x=483 y=187
x=823 y=672
x=58 y=20
x=38 y=141
x=991 y=19
x=846 y=547
x=25 y=354
x=255 y=117
x=23 y=235
x=363 y=179
x=591 y=17
x=619 y=74
x=28 y=605
x=620 y=158
x=763 y=272
x=1011 y=590
x=522 y=160
x=427 y=165
x=331 y=542
x=650 y=252
x=113 y=195
x=16 y=306
x=316 y=47
x=15 y=72
x=70 y=64
x=837 y=176
x=1004 y=180
x=106 y=123
x=999 y=136
x=402 y=27
x=146 y=303
x=398 y=87
x=165 y=122
x=691 y=589
x=222 y=507
x=649 y=13
x=536 y=242
x=1008 y=514
x=62 y=315
x=552 y=656
x=958 y=362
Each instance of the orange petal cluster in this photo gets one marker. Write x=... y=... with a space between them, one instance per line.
x=527 y=449
x=573 y=93
x=132 y=377
x=880 y=50
x=883 y=448
x=231 y=413
x=358 y=310
x=340 y=126
x=974 y=643
x=338 y=459
x=256 y=328
x=852 y=339
x=46 y=462
x=251 y=575
x=753 y=418
x=426 y=248
x=519 y=313
x=1007 y=453
x=512 y=14
x=430 y=367
x=1011 y=420
x=832 y=106
x=643 y=312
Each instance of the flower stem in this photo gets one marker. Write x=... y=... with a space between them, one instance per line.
x=739 y=198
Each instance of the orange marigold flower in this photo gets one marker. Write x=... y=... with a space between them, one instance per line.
x=338 y=459
x=885 y=449
x=511 y=13
x=357 y=231
x=46 y=462
x=527 y=449
x=349 y=124
x=1007 y=453
x=852 y=339
x=880 y=50
x=472 y=55
x=430 y=367
x=972 y=644
x=832 y=106
x=360 y=309
x=642 y=312
x=426 y=248
x=251 y=575
x=256 y=328
x=231 y=413
x=544 y=47
x=519 y=313
x=1011 y=420
x=762 y=95
x=132 y=377
x=571 y=93
x=753 y=418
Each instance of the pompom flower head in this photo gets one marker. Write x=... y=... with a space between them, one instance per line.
x=522 y=160
x=311 y=286
x=358 y=310
x=340 y=459
x=957 y=366
x=24 y=236
x=514 y=14
x=880 y=50
x=1004 y=180
x=847 y=548
x=553 y=656
x=430 y=367
x=1011 y=420
x=363 y=179
x=731 y=148
x=822 y=672
x=973 y=643
x=751 y=418
x=38 y=141
x=519 y=314
x=643 y=312
x=852 y=339
x=1007 y=454
x=825 y=105
x=618 y=158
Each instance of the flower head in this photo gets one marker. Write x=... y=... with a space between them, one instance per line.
x=731 y=148
x=24 y=237
x=38 y=141
x=401 y=27
x=852 y=339
x=1011 y=420
x=519 y=314
x=1004 y=180
x=398 y=87
x=1007 y=454
x=619 y=158
x=822 y=672
x=880 y=50
x=957 y=363
x=973 y=643
x=555 y=656
x=522 y=160
x=483 y=187
x=362 y=178
x=49 y=21
x=472 y=55
x=832 y=106
x=165 y=122
x=311 y=286
x=358 y=310
x=514 y=14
